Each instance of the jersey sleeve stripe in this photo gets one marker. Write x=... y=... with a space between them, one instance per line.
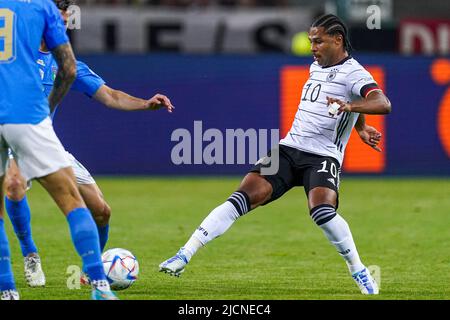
x=372 y=90
x=368 y=88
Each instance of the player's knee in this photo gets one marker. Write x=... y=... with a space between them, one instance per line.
x=258 y=189
x=262 y=195
x=101 y=213
x=322 y=213
x=106 y=212
x=15 y=189
x=322 y=195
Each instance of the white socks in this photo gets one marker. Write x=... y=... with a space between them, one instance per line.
x=217 y=222
x=221 y=218
x=339 y=234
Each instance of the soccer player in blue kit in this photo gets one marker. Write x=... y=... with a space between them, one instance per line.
x=26 y=129
x=16 y=203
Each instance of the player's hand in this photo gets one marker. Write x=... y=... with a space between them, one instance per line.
x=370 y=136
x=159 y=101
x=345 y=106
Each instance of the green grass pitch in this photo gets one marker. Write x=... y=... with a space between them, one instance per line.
x=275 y=252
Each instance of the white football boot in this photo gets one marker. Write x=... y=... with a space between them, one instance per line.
x=33 y=270
x=10 y=295
x=175 y=265
x=365 y=282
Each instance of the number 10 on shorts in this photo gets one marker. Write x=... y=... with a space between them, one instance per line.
x=333 y=169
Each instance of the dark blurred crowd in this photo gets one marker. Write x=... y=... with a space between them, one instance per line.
x=194 y=3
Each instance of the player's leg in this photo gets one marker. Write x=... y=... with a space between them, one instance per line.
x=62 y=187
x=16 y=205
x=7 y=285
x=101 y=211
x=93 y=197
x=322 y=190
x=254 y=190
x=40 y=155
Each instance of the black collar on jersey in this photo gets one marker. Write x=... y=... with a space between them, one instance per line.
x=340 y=62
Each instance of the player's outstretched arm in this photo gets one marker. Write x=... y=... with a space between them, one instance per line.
x=67 y=72
x=369 y=135
x=117 y=99
x=375 y=102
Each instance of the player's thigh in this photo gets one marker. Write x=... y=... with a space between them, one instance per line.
x=321 y=182
x=62 y=187
x=265 y=188
x=36 y=148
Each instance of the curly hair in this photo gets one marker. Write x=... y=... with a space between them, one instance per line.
x=334 y=25
x=64 y=4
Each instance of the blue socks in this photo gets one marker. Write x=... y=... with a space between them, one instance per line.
x=86 y=241
x=6 y=275
x=103 y=233
x=19 y=214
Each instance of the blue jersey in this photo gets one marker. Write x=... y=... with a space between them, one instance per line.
x=23 y=24
x=87 y=81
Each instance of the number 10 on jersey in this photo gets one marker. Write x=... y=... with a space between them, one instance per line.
x=7 y=24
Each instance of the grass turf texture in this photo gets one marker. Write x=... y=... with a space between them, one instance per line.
x=275 y=252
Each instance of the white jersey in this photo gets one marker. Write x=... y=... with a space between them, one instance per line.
x=314 y=130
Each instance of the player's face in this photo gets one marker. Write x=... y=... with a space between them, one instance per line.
x=324 y=47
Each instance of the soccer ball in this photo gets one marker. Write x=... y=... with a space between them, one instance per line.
x=121 y=268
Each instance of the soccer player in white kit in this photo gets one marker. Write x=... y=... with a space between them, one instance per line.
x=312 y=152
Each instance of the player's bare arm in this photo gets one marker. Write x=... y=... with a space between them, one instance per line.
x=368 y=134
x=67 y=72
x=120 y=100
x=375 y=102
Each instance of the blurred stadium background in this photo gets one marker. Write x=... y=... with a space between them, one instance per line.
x=241 y=64
x=233 y=64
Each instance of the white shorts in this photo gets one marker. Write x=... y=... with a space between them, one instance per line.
x=36 y=148
x=81 y=173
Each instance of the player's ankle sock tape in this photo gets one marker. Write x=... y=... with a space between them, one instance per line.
x=19 y=214
x=322 y=213
x=86 y=241
x=240 y=201
x=6 y=275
